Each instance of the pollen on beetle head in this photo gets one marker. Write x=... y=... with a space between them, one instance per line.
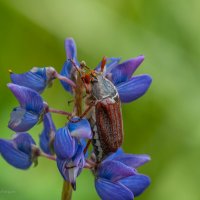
x=82 y=64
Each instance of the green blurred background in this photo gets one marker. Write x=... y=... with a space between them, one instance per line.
x=164 y=123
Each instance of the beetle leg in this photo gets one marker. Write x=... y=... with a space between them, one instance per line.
x=71 y=101
x=92 y=103
x=90 y=164
x=87 y=146
x=84 y=113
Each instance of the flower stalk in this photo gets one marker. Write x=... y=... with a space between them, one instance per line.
x=61 y=112
x=50 y=157
x=66 y=191
x=77 y=111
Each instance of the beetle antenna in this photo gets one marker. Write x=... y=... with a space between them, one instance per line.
x=82 y=65
x=103 y=63
x=74 y=64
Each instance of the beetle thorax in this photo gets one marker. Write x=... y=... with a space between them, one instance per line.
x=103 y=88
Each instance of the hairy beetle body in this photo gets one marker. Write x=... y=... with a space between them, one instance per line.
x=105 y=117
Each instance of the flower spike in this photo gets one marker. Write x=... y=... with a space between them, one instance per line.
x=101 y=92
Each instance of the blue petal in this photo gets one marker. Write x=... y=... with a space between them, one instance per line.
x=37 y=78
x=74 y=165
x=114 y=170
x=49 y=125
x=84 y=143
x=68 y=172
x=137 y=184
x=71 y=168
x=29 y=80
x=67 y=71
x=133 y=160
x=112 y=191
x=50 y=76
x=114 y=155
x=45 y=144
x=134 y=88
x=64 y=144
x=79 y=159
x=28 y=98
x=48 y=133
x=24 y=142
x=13 y=156
x=70 y=48
x=21 y=120
x=62 y=166
x=80 y=129
x=110 y=64
x=123 y=72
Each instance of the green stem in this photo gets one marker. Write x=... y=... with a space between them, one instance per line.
x=77 y=111
x=67 y=191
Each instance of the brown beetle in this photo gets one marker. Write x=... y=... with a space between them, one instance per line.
x=104 y=113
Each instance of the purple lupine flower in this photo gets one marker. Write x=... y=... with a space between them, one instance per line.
x=19 y=151
x=117 y=178
x=68 y=69
x=48 y=134
x=64 y=144
x=70 y=168
x=69 y=148
x=31 y=108
x=129 y=88
x=37 y=78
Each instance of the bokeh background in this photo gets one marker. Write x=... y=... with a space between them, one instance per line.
x=164 y=123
